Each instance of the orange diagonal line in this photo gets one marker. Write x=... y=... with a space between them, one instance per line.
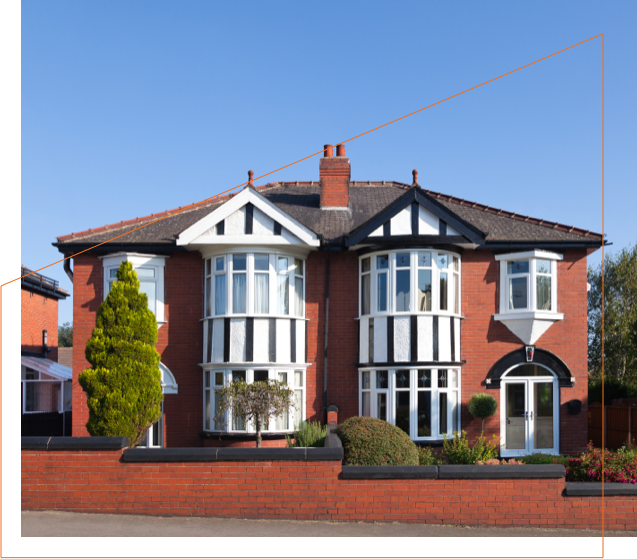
x=304 y=158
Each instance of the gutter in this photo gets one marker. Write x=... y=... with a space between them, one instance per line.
x=67 y=268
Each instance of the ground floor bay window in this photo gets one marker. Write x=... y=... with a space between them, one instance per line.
x=226 y=422
x=425 y=402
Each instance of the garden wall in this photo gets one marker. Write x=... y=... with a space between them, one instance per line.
x=98 y=475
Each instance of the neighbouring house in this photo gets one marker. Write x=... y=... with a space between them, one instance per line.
x=45 y=383
x=381 y=298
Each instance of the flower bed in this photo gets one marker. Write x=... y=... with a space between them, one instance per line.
x=619 y=466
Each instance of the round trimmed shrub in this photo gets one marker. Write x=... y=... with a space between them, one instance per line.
x=482 y=405
x=368 y=441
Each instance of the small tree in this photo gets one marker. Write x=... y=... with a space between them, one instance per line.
x=123 y=385
x=482 y=405
x=256 y=402
x=65 y=335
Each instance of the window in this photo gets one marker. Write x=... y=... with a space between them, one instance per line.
x=150 y=272
x=424 y=403
x=528 y=282
x=214 y=420
x=421 y=281
x=254 y=284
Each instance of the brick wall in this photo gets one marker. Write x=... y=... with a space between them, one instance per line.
x=98 y=481
x=39 y=313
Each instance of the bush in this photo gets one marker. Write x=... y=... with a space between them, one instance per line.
x=540 y=458
x=368 y=441
x=613 y=388
x=482 y=405
x=458 y=450
x=620 y=466
x=426 y=457
x=310 y=433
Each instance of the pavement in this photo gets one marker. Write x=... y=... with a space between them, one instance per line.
x=56 y=523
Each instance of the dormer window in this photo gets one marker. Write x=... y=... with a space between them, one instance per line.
x=528 y=282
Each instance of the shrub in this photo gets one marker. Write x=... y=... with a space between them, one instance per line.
x=123 y=384
x=620 y=466
x=368 y=441
x=458 y=450
x=541 y=458
x=613 y=388
x=426 y=457
x=482 y=405
x=310 y=433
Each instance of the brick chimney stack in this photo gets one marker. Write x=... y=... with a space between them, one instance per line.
x=335 y=174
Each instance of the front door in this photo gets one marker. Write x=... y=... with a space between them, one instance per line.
x=529 y=417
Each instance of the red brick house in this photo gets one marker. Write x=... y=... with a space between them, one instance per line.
x=382 y=298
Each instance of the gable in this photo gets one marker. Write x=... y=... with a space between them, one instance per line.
x=249 y=218
x=418 y=216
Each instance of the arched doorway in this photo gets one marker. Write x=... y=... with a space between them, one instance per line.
x=529 y=410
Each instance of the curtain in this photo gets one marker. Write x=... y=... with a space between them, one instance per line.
x=298 y=296
x=261 y=293
x=366 y=292
x=238 y=293
x=220 y=294
x=283 y=294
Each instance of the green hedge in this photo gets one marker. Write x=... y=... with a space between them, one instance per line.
x=371 y=442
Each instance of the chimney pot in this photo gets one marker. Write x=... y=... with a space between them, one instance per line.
x=340 y=150
x=250 y=177
x=328 y=150
x=415 y=175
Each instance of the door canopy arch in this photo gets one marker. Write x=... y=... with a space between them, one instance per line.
x=540 y=357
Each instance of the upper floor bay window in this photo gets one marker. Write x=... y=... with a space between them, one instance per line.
x=258 y=283
x=417 y=281
x=528 y=282
x=150 y=272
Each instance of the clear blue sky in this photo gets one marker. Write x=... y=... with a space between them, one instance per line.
x=130 y=108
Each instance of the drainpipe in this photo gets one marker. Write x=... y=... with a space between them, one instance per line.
x=67 y=269
x=327 y=316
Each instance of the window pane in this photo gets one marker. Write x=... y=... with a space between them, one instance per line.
x=219 y=264
x=424 y=290
x=443 y=261
x=402 y=411
x=145 y=272
x=543 y=293
x=239 y=262
x=220 y=294
x=442 y=378
x=218 y=422
x=219 y=379
x=208 y=266
x=283 y=294
x=402 y=291
x=381 y=379
x=402 y=260
x=238 y=421
x=365 y=293
x=454 y=264
x=402 y=379
x=208 y=296
x=517 y=293
x=283 y=377
x=366 y=375
x=366 y=412
x=517 y=267
x=453 y=395
x=282 y=264
x=298 y=379
x=382 y=292
x=543 y=266
x=365 y=265
x=381 y=406
x=238 y=293
x=456 y=291
x=452 y=287
x=424 y=379
x=283 y=421
x=424 y=413
x=382 y=262
x=260 y=376
x=206 y=379
x=261 y=293
x=453 y=379
x=424 y=259
x=238 y=375
x=442 y=407
x=150 y=288
x=113 y=273
x=443 y=291
x=298 y=408
x=261 y=262
x=298 y=267
x=298 y=296
x=207 y=409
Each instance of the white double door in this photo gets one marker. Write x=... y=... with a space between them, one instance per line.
x=529 y=416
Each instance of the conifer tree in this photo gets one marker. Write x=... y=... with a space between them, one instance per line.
x=123 y=385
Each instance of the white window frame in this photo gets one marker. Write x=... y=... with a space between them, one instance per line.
x=138 y=260
x=435 y=390
x=413 y=287
x=273 y=374
x=531 y=311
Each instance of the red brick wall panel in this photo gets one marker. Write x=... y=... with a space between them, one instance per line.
x=39 y=313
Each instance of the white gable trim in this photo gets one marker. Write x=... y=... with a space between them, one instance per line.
x=246 y=196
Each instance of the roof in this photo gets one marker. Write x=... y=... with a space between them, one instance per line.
x=42 y=284
x=48 y=367
x=301 y=200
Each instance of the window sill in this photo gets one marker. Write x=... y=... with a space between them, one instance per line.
x=403 y=314
x=534 y=315
x=253 y=316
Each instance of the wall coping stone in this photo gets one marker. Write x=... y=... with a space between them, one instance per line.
x=513 y=471
x=594 y=488
x=390 y=472
x=74 y=443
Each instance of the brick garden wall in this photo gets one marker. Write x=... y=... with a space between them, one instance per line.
x=98 y=481
x=39 y=313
